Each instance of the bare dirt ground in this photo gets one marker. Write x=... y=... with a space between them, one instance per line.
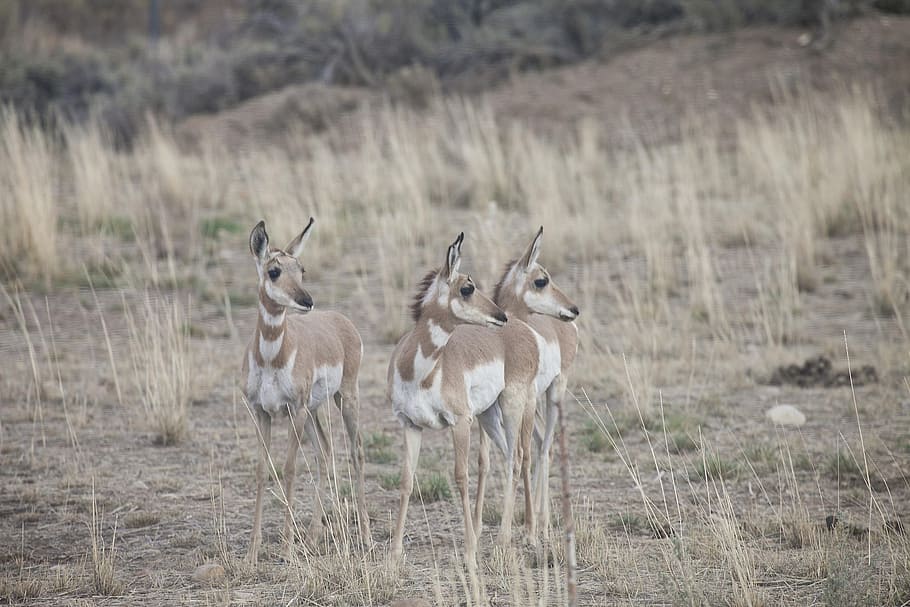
x=167 y=505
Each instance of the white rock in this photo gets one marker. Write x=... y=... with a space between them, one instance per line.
x=785 y=415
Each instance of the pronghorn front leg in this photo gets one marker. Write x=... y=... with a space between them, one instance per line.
x=412 y=439
x=542 y=468
x=264 y=430
x=321 y=450
x=483 y=465
x=461 y=438
x=512 y=403
x=349 y=404
x=295 y=436
x=527 y=431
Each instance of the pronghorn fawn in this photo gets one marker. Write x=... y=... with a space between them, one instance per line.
x=527 y=293
x=291 y=367
x=450 y=368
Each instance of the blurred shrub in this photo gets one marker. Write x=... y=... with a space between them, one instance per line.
x=273 y=43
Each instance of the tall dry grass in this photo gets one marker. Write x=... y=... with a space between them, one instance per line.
x=162 y=367
x=29 y=198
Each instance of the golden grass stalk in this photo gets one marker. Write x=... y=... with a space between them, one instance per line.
x=162 y=364
x=29 y=203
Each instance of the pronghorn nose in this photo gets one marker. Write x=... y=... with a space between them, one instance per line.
x=306 y=301
x=501 y=316
x=574 y=310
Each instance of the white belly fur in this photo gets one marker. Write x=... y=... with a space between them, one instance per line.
x=484 y=383
x=549 y=365
x=326 y=382
x=419 y=406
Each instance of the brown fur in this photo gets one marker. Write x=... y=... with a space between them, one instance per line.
x=468 y=348
x=554 y=331
x=316 y=339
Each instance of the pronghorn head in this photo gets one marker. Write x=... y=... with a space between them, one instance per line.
x=526 y=287
x=449 y=297
x=280 y=272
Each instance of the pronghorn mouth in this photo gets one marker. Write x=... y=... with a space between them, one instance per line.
x=567 y=317
x=302 y=309
x=495 y=323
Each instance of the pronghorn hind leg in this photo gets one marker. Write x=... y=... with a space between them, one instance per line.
x=264 y=432
x=483 y=465
x=295 y=436
x=321 y=450
x=412 y=439
x=349 y=405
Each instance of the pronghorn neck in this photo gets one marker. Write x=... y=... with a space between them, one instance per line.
x=433 y=333
x=507 y=295
x=271 y=344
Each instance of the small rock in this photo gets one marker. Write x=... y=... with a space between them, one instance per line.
x=209 y=573
x=786 y=415
x=804 y=39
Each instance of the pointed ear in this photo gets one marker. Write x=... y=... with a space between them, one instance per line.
x=295 y=247
x=453 y=258
x=529 y=257
x=259 y=242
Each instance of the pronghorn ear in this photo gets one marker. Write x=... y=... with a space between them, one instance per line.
x=453 y=258
x=295 y=247
x=259 y=242
x=529 y=258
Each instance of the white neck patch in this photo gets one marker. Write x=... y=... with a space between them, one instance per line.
x=272 y=320
x=438 y=335
x=269 y=349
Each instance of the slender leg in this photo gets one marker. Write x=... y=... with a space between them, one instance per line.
x=295 y=435
x=461 y=438
x=527 y=430
x=264 y=430
x=314 y=431
x=512 y=403
x=483 y=464
x=542 y=472
x=349 y=404
x=412 y=439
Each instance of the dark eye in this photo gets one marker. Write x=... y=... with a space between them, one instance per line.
x=541 y=282
x=274 y=273
x=467 y=290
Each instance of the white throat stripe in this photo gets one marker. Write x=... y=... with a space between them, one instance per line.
x=272 y=320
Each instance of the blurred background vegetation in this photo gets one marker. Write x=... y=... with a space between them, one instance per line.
x=123 y=59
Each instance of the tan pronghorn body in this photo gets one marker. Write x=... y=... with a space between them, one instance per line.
x=291 y=367
x=445 y=372
x=526 y=292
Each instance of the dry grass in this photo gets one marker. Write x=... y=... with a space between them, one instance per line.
x=162 y=364
x=694 y=263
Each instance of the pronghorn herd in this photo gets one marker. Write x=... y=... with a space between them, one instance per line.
x=467 y=356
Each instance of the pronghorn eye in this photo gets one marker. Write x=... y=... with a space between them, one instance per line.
x=274 y=273
x=541 y=282
x=467 y=290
